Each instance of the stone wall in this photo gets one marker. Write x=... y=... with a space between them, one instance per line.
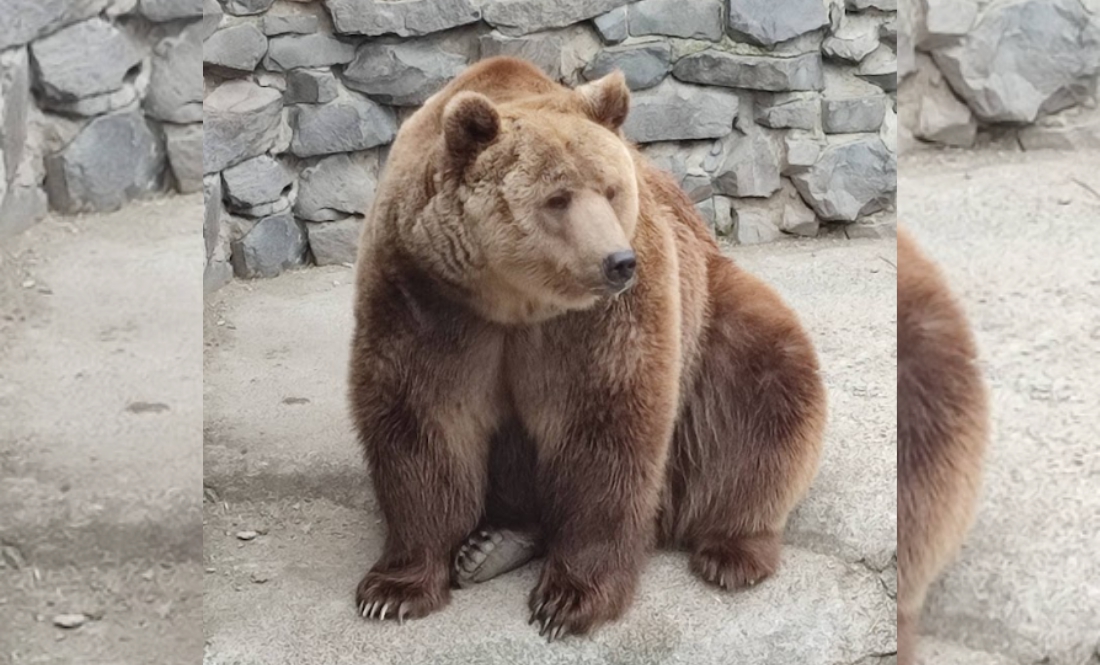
x=100 y=103
x=1014 y=73
x=776 y=116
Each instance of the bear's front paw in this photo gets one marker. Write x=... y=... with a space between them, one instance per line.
x=400 y=594
x=564 y=605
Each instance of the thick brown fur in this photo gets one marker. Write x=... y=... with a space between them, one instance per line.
x=492 y=384
x=942 y=433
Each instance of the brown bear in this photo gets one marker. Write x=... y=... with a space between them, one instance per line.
x=942 y=432
x=551 y=355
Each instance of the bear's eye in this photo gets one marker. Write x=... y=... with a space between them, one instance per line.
x=611 y=193
x=559 y=201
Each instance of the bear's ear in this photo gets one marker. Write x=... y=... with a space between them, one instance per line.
x=470 y=122
x=606 y=100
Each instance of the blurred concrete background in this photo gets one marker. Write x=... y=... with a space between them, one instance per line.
x=100 y=438
x=1019 y=237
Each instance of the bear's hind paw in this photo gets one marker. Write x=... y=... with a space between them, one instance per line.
x=489 y=553
x=739 y=562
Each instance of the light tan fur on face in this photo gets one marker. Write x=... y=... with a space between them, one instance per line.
x=492 y=192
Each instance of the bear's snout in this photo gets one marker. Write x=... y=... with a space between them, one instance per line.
x=618 y=269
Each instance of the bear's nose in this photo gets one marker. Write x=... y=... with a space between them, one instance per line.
x=618 y=268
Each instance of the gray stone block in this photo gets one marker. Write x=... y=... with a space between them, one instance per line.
x=674 y=111
x=241 y=121
x=684 y=160
x=310 y=86
x=299 y=24
x=884 y=5
x=744 y=165
x=170 y=10
x=15 y=105
x=238 y=47
x=247 y=7
x=114 y=159
x=697 y=185
x=334 y=243
x=850 y=105
x=336 y=187
x=348 y=123
x=717 y=214
x=175 y=83
x=788 y=110
x=853 y=115
x=612 y=25
x=857 y=38
x=699 y=19
x=184 y=145
x=23 y=21
x=800 y=152
x=945 y=23
x=317 y=50
x=850 y=179
x=212 y=14
x=212 y=212
x=756 y=221
x=403 y=74
x=279 y=205
x=940 y=116
x=769 y=22
x=274 y=244
x=880 y=69
x=644 y=64
x=714 y=67
x=124 y=98
x=406 y=19
x=1024 y=59
x=256 y=181
x=521 y=17
x=562 y=54
x=88 y=58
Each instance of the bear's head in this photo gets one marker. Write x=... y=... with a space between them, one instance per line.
x=536 y=201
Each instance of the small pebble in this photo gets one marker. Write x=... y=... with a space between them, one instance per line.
x=247 y=535
x=260 y=578
x=29 y=284
x=69 y=620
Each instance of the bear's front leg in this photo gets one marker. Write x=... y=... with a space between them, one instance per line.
x=425 y=425
x=429 y=477
x=601 y=410
x=599 y=488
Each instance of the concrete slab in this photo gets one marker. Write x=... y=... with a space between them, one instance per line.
x=100 y=420
x=287 y=598
x=100 y=381
x=280 y=456
x=134 y=613
x=1019 y=235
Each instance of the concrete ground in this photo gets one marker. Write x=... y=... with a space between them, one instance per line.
x=281 y=462
x=100 y=457
x=1019 y=235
